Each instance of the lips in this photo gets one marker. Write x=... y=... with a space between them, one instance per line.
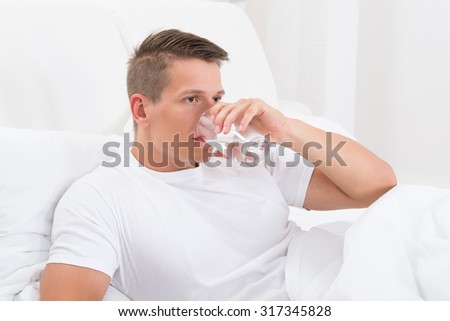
x=200 y=139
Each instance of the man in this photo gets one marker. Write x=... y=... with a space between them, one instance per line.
x=170 y=228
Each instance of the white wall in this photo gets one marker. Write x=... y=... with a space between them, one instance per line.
x=311 y=46
x=403 y=82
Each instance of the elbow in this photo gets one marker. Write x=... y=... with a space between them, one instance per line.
x=383 y=181
x=389 y=180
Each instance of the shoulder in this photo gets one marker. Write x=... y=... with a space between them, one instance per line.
x=94 y=187
x=282 y=158
x=103 y=178
x=88 y=199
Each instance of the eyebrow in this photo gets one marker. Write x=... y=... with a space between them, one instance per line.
x=197 y=91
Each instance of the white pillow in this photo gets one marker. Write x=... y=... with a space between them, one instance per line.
x=36 y=168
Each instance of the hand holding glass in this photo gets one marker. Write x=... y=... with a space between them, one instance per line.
x=242 y=147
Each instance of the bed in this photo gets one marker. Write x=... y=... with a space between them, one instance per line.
x=63 y=96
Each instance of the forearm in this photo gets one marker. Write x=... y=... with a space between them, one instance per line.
x=353 y=168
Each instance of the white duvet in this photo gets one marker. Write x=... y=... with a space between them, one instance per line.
x=398 y=249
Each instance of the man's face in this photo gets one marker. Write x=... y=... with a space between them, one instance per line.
x=195 y=86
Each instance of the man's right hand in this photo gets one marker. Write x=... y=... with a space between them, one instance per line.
x=72 y=283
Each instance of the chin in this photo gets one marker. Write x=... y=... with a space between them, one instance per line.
x=201 y=156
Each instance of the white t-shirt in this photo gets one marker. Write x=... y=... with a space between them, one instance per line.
x=207 y=233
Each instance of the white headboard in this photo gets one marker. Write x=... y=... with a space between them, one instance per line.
x=64 y=67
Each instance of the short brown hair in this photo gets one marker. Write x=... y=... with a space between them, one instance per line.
x=147 y=68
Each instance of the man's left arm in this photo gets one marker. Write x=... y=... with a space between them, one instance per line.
x=346 y=173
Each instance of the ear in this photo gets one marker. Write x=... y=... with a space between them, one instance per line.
x=138 y=104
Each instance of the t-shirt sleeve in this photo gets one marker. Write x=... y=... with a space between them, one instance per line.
x=291 y=172
x=85 y=231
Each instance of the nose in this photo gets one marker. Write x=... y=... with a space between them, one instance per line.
x=209 y=104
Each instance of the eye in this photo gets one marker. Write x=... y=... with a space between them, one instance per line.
x=217 y=99
x=191 y=99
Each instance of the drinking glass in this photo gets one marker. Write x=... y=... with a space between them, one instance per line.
x=249 y=147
